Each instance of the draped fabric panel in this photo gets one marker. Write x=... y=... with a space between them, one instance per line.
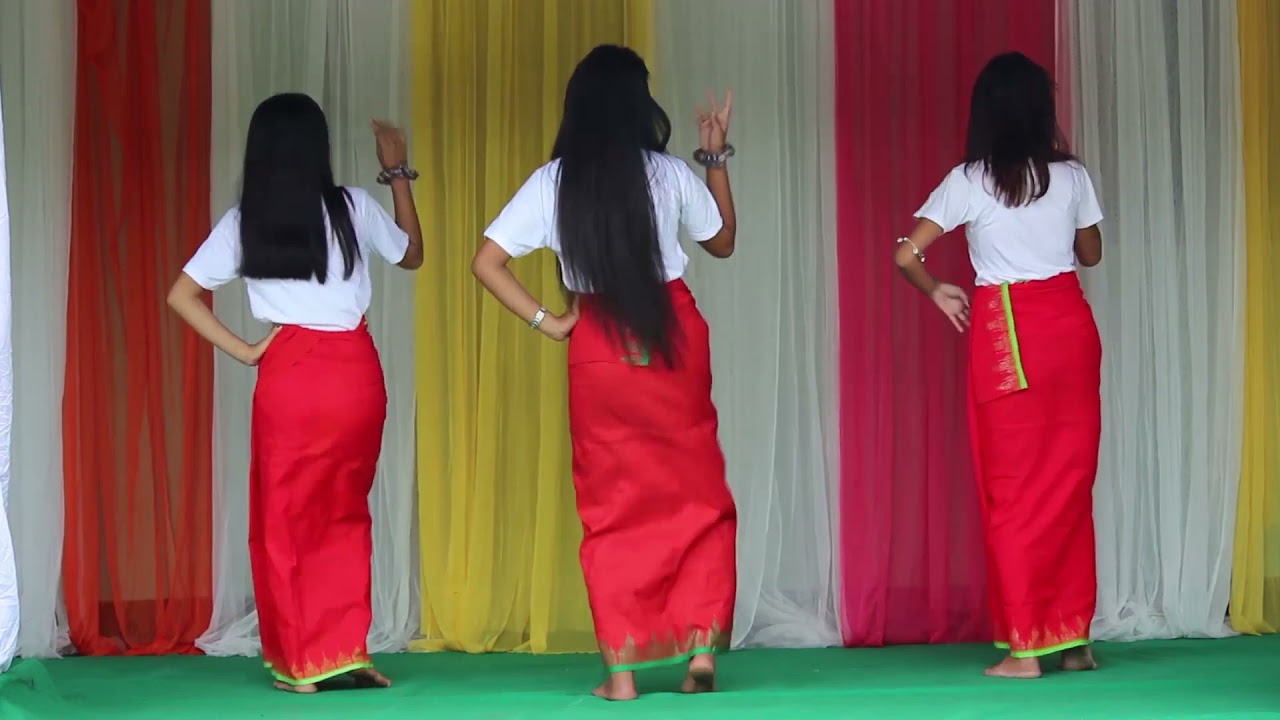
x=37 y=72
x=498 y=530
x=348 y=56
x=1158 y=125
x=1255 y=590
x=9 y=613
x=911 y=551
x=772 y=306
x=137 y=407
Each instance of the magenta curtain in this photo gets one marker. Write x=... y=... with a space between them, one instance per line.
x=911 y=546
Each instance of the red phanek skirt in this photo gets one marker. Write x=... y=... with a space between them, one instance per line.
x=659 y=523
x=318 y=413
x=1036 y=421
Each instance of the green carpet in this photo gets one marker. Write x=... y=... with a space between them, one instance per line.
x=1235 y=678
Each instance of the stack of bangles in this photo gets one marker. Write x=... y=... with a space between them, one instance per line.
x=711 y=160
x=399 y=172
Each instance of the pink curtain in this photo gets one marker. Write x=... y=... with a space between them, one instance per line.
x=911 y=548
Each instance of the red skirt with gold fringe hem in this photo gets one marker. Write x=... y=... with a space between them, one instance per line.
x=1036 y=422
x=659 y=523
x=318 y=414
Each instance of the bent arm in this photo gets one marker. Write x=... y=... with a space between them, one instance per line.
x=1088 y=246
x=187 y=300
x=407 y=220
x=491 y=269
x=721 y=245
x=924 y=234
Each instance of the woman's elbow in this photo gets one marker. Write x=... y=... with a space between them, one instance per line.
x=723 y=244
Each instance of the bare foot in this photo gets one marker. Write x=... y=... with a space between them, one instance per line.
x=620 y=686
x=370 y=678
x=1079 y=659
x=702 y=675
x=1012 y=667
x=309 y=689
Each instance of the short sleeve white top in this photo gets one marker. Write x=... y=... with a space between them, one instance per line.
x=335 y=305
x=1030 y=242
x=680 y=199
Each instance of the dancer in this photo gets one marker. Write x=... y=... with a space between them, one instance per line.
x=303 y=245
x=659 y=524
x=1034 y=359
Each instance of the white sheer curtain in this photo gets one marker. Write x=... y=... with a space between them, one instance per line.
x=8 y=569
x=1158 y=124
x=346 y=55
x=37 y=72
x=771 y=307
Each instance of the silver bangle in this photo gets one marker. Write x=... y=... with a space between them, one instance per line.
x=399 y=172
x=711 y=160
x=538 y=317
x=914 y=250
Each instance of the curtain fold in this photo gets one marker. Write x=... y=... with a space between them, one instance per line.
x=136 y=410
x=772 y=306
x=1255 y=591
x=37 y=72
x=9 y=613
x=1158 y=125
x=497 y=525
x=349 y=57
x=911 y=548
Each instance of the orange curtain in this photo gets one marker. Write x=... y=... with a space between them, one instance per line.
x=137 y=408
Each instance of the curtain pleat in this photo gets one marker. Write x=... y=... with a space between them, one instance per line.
x=137 y=405
x=1255 y=587
x=497 y=527
x=911 y=549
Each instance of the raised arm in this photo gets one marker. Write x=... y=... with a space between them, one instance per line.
x=393 y=153
x=713 y=135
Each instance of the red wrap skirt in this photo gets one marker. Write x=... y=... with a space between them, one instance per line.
x=659 y=523
x=1036 y=421
x=318 y=413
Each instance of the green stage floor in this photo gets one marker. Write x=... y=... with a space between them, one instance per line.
x=1236 y=678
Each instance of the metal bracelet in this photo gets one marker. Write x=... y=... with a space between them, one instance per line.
x=713 y=160
x=914 y=250
x=399 y=172
x=538 y=317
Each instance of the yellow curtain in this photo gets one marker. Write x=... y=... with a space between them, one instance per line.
x=498 y=532
x=1255 y=587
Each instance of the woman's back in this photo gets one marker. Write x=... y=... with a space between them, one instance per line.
x=1033 y=241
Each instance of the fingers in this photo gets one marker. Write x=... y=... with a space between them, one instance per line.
x=728 y=101
x=956 y=321
x=711 y=100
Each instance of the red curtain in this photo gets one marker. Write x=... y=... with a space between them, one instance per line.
x=137 y=409
x=911 y=551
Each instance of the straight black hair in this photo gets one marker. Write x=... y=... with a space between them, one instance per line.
x=1013 y=128
x=287 y=189
x=604 y=209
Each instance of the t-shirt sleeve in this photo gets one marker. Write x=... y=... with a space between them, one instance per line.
x=524 y=224
x=948 y=205
x=699 y=214
x=217 y=261
x=1089 y=211
x=377 y=228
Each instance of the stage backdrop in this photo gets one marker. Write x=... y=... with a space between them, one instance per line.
x=840 y=389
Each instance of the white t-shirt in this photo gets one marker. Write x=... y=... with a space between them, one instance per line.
x=335 y=305
x=680 y=198
x=1030 y=242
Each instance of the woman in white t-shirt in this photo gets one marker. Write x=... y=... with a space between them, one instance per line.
x=302 y=245
x=1031 y=216
x=659 y=523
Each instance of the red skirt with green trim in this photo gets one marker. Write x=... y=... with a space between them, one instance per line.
x=659 y=523
x=1036 y=421
x=318 y=413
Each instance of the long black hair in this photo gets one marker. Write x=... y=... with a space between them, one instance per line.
x=287 y=187
x=1013 y=128
x=604 y=210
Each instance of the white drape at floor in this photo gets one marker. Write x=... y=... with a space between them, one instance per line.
x=1158 y=124
x=771 y=306
x=37 y=72
x=346 y=55
x=8 y=569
